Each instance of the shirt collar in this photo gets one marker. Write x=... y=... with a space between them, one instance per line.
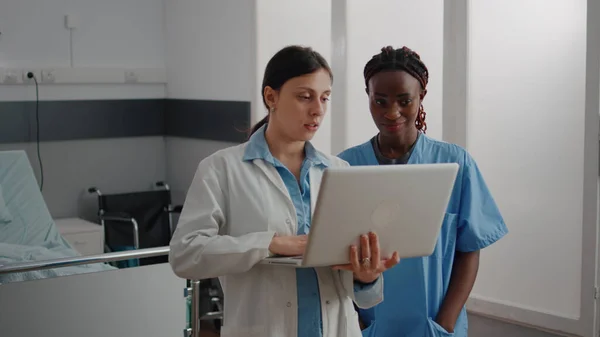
x=258 y=148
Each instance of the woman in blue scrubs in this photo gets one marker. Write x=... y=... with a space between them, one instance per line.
x=424 y=297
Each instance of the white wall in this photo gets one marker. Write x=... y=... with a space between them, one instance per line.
x=454 y=101
x=113 y=33
x=210 y=49
x=183 y=156
x=210 y=56
x=110 y=33
x=525 y=129
x=283 y=23
x=136 y=302
x=375 y=24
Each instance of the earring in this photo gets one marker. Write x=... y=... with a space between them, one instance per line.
x=272 y=109
x=420 y=122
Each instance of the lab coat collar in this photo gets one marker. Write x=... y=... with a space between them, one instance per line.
x=258 y=148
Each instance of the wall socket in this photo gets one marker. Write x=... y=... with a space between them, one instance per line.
x=9 y=77
x=48 y=76
x=51 y=75
x=27 y=80
x=131 y=76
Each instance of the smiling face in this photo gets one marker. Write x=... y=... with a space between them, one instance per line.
x=298 y=108
x=395 y=99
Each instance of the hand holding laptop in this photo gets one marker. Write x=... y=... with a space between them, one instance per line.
x=288 y=245
x=366 y=269
x=370 y=265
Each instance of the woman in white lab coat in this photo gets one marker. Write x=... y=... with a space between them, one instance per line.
x=255 y=199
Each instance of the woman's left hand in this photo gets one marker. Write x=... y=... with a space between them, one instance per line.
x=370 y=265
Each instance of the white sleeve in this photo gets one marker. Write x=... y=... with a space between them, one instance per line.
x=199 y=249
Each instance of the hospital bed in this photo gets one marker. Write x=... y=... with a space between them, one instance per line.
x=27 y=231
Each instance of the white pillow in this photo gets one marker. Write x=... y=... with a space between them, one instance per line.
x=5 y=216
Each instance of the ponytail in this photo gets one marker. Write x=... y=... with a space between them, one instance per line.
x=259 y=125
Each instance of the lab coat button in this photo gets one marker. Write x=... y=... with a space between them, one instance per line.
x=289 y=304
x=288 y=221
x=327 y=302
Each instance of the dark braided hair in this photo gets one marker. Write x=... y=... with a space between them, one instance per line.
x=403 y=59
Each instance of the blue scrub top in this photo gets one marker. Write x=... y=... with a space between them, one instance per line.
x=415 y=288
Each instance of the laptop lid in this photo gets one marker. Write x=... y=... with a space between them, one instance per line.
x=404 y=204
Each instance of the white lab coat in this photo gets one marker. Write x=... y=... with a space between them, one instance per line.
x=232 y=211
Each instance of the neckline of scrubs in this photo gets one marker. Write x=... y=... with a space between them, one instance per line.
x=416 y=153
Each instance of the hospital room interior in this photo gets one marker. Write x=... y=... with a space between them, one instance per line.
x=107 y=108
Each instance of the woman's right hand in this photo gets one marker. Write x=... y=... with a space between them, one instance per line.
x=288 y=245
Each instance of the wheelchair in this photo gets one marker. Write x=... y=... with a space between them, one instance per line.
x=137 y=220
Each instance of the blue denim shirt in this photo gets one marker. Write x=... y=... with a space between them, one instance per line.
x=310 y=322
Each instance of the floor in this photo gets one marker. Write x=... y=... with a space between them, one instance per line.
x=486 y=327
x=478 y=327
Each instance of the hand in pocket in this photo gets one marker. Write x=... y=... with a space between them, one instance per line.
x=436 y=330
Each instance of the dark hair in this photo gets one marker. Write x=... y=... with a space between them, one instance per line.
x=289 y=62
x=403 y=59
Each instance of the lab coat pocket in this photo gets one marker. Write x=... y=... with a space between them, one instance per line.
x=436 y=330
x=236 y=331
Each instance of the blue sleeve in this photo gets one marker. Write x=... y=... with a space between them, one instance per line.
x=480 y=223
x=359 y=286
x=367 y=293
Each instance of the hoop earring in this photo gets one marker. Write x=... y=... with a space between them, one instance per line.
x=420 y=122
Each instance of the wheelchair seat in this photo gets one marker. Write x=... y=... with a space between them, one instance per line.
x=137 y=220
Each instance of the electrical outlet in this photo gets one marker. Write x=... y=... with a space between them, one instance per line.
x=131 y=76
x=71 y=21
x=48 y=76
x=10 y=77
x=25 y=79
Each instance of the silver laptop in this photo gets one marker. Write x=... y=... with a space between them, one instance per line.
x=404 y=204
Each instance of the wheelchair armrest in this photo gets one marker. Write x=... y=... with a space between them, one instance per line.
x=124 y=217
x=209 y=316
x=176 y=209
x=116 y=216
